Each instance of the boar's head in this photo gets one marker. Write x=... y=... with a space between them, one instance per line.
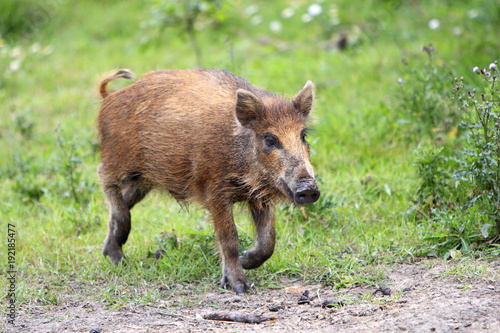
x=280 y=146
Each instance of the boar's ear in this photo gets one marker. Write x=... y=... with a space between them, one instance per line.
x=303 y=101
x=248 y=107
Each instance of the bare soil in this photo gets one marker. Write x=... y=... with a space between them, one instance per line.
x=424 y=297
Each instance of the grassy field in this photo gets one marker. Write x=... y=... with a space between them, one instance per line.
x=53 y=54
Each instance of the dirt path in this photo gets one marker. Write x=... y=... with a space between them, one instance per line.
x=424 y=298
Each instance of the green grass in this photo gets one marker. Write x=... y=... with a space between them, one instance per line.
x=363 y=154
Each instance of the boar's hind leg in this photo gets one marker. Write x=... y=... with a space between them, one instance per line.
x=263 y=219
x=227 y=236
x=119 y=225
x=121 y=199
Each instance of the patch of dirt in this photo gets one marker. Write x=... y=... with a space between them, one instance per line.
x=422 y=299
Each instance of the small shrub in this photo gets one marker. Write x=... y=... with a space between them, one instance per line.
x=23 y=125
x=425 y=99
x=70 y=156
x=28 y=178
x=458 y=164
x=434 y=168
x=19 y=16
x=188 y=16
x=479 y=173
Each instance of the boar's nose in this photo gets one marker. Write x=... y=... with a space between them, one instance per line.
x=307 y=192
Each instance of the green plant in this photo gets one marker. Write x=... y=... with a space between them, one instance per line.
x=434 y=168
x=24 y=125
x=189 y=16
x=460 y=191
x=480 y=169
x=69 y=168
x=70 y=156
x=424 y=96
x=28 y=179
x=19 y=17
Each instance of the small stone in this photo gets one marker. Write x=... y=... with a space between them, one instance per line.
x=304 y=299
x=95 y=330
x=385 y=290
x=332 y=302
x=235 y=299
x=276 y=306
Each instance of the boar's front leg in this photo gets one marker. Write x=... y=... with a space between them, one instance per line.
x=263 y=219
x=227 y=236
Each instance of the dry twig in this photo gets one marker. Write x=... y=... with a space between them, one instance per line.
x=240 y=317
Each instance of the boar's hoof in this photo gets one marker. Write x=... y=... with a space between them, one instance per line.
x=117 y=260
x=238 y=286
x=250 y=260
x=114 y=253
x=307 y=192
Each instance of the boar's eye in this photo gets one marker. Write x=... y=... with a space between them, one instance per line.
x=271 y=141
x=303 y=137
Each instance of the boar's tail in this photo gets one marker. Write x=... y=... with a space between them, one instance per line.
x=121 y=74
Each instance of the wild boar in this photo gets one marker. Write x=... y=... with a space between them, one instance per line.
x=210 y=137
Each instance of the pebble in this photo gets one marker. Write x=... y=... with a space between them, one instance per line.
x=385 y=290
x=276 y=306
x=331 y=302
x=304 y=298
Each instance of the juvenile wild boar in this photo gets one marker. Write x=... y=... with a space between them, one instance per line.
x=206 y=136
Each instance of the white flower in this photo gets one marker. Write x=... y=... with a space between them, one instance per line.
x=434 y=24
x=457 y=31
x=15 y=65
x=475 y=69
x=256 y=20
x=314 y=9
x=287 y=13
x=472 y=14
x=275 y=26
x=252 y=9
x=492 y=66
x=306 y=18
x=16 y=52
x=35 y=48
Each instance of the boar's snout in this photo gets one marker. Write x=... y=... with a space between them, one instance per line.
x=307 y=192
